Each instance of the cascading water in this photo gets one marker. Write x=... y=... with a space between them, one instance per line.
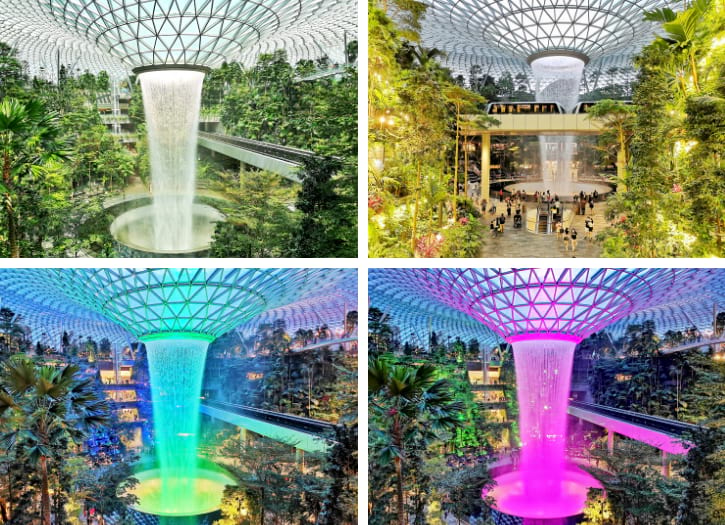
x=557 y=80
x=544 y=486
x=172 y=99
x=179 y=486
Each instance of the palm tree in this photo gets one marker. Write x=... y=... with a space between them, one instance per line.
x=51 y=407
x=681 y=34
x=29 y=140
x=410 y=406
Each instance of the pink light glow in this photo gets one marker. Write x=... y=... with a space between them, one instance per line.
x=542 y=496
x=545 y=486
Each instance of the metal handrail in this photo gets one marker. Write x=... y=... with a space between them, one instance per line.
x=286 y=153
x=304 y=424
x=661 y=424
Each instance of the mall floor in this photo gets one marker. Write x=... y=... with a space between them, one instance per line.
x=523 y=243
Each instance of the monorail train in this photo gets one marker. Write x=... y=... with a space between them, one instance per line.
x=583 y=107
x=522 y=108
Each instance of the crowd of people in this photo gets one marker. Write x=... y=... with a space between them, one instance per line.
x=512 y=209
x=515 y=210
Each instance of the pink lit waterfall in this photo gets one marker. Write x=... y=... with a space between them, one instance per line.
x=545 y=486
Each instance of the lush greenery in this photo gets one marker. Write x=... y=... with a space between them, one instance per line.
x=414 y=110
x=57 y=156
x=269 y=102
x=633 y=374
x=60 y=160
x=671 y=204
x=420 y=406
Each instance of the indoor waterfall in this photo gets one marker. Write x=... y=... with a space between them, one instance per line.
x=557 y=80
x=179 y=486
x=544 y=485
x=171 y=99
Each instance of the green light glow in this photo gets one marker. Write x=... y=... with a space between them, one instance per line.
x=177 y=335
x=176 y=367
x=204 y=497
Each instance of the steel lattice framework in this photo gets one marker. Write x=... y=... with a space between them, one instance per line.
x=119 y=35
x=126 y=304
x=500 y=35
x=576 y=302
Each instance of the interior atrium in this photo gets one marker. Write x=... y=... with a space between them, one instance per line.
x=150 y=128
x=546 y=129
x=543 y=396
x=178 y=396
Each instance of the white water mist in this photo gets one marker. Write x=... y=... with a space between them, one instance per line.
x=557 y=80
x=172 y=99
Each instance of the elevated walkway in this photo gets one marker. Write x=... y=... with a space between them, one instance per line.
x=533 y=124
x=664 y=434
x=703 y=341
x=283 y=160
x=310 y=435
x=327 y=342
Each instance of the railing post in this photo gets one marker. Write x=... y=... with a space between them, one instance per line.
x=610 y=441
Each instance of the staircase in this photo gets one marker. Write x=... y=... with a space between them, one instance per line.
x=543 y=219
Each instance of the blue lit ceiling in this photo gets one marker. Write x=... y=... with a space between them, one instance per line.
x=126 y=304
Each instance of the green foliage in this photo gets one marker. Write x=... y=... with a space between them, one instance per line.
x=48 y=408
x=704 y=500
x=410 y=410
x=328 y=226
x=673 y=203
x=414 y=122
x=259 y=222
x=637 y=493
x=339 y=501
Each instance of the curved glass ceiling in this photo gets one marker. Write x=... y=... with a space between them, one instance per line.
x=565 y=301
x=500 y=35
x=125 y=304
x=119 y=35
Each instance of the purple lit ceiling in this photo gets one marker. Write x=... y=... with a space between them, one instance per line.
x=577 y=302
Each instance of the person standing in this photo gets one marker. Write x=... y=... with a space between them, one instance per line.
x=573 y=239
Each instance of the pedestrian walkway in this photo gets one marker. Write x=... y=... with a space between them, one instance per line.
x=523 y=243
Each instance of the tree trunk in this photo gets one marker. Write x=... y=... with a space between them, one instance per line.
x=398 y=442
x=415 y=209
x=44 y=492
x=455 y=175
x=12 y=220
x=399 y=491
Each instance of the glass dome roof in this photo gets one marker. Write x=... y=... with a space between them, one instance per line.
x=577 y=302
x=500 y=35
x=125 y=304
x=120 y=35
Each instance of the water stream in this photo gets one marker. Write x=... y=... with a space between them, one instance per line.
x=557 y=80
x=171 y=100
x=545 y=485
x=176 y=369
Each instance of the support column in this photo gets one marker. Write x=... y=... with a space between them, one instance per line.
x=300 y=459
x=486 y=166
x=243 y=434
x=666 y=465
x=610 y=441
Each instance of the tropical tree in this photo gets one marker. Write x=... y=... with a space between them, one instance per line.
x=681 y=34
x=29 y=141
x=616 y=119
x=48 y=408
x=409 y=408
